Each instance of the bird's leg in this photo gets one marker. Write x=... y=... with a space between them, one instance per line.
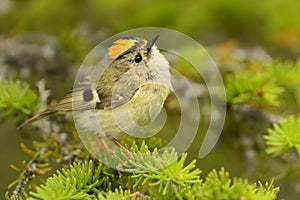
x=122 y=147
x=104 y=146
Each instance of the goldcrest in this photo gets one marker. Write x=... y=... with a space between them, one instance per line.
x=121 y=94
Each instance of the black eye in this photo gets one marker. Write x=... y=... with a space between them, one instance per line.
x=138 y=58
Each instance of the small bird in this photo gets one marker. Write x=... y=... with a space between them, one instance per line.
x=122 y=94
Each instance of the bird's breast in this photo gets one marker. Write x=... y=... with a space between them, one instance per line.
x=130 y=117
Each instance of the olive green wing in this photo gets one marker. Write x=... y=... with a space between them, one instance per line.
x=82 y=97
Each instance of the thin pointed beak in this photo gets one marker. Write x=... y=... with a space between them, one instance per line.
x=151 y=43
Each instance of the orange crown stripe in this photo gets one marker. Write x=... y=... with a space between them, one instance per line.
x=119 y=47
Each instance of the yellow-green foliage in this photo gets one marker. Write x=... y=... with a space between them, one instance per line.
x=284 y=136
x=16 y=99
x=86 y=181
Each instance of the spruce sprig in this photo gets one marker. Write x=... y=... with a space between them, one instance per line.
x=284 y=136
x=16 y=99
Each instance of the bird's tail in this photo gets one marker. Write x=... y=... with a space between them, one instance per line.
x=36 y=117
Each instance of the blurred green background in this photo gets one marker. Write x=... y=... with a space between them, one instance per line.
x=44 y=39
